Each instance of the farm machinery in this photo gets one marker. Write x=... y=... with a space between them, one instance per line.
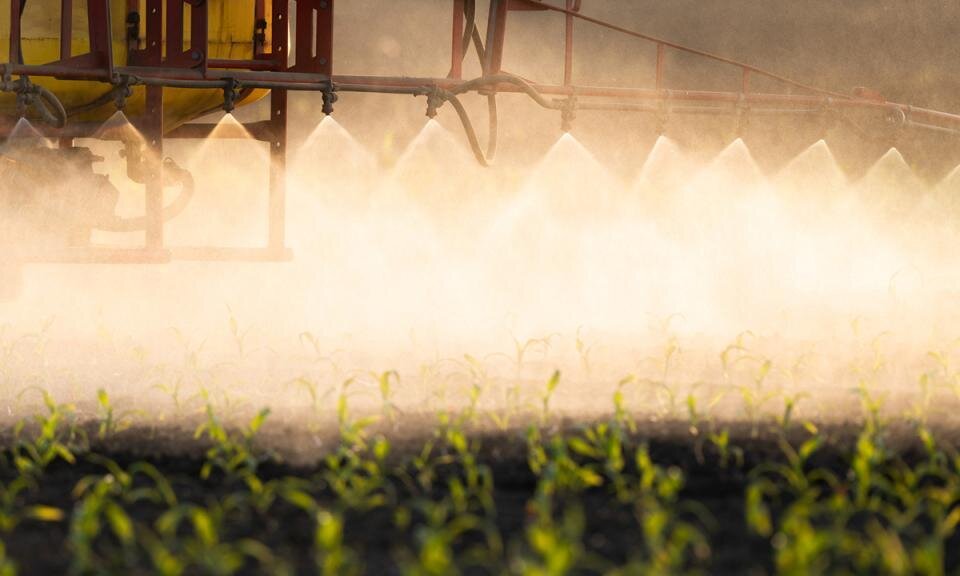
x=69 y=65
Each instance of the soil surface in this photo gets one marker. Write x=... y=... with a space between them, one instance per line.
x=611 y=531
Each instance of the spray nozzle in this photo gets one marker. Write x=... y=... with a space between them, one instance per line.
x=120 y=95
x=330 y=98
x=231 y=95
x=436 y=98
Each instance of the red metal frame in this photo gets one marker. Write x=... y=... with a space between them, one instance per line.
x=158 y=66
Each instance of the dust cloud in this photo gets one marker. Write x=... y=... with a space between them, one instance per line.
x=696 y=273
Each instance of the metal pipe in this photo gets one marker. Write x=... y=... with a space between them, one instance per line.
x=568 y=46
x=66 y=29
x=682 y=48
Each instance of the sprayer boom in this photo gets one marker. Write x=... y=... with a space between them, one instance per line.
x=176 y=68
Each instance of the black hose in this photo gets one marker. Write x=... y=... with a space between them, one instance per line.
x=176 y=175
x=99 y=102
x=483 y=159
x=471 y=34
x=470 y=14
x=50 y=107
x=506 y=78
x=452 y=96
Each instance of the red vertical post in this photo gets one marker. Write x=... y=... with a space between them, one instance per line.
x=745 y=84
x=304 y=59
x=276 y=225
x=456 y=49
x=152 y=127
x=280 y=31
x=496 y=31
x=199 y=30
x=325 y=37
x=133 y=34
x=154 y=45
x=259 y=16
x=99 y=28
x=14 y=31
x=66 y=29
x=661 y=53
x=314 y=38
x=174 y=28
x=568 y=46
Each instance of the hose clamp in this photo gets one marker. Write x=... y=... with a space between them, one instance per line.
x=435 y=99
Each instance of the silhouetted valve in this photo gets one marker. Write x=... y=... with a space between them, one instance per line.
x=329 y=99
x=434 y=101
x=53 y=208
x=231 y=95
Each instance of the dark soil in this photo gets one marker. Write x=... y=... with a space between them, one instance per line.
x=611 y=530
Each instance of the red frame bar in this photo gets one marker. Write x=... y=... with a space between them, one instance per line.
x=66 y=29
x=14 y=31
x=457 y=41
x=314 y=71
x=496 y=35
x=568 y=44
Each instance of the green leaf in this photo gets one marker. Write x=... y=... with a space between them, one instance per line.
x=809 y=447
x=119 y=522
x=44 y=513
x=582 y=447
x=258 y=421
x=103 y=399
x=381 y=449
x=203 y=526
x=553 y=382
x=589 y=477
x=300 y=499
x=329 y=530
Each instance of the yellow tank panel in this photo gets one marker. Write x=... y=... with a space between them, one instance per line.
x=230 y=36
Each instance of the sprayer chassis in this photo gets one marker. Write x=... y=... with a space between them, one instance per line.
x=153 y=68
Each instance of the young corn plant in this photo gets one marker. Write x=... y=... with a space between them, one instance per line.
x=584 y=350
x=233 y=454
x=7 y=566
x=14 y=511
x=522 y=349
x=553 y=547
x=387 y=383
x=102 y=535
x=112 y=421
x=193 y=536
x=548 y=393
x=56 y=439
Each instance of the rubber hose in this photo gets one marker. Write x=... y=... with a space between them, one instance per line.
x=468 y=128
x=48 y=100
x=506 y=78
x=472 y=35
x=452 y=96
x=100 y=101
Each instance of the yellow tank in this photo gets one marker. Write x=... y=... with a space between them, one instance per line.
x=231 y=24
